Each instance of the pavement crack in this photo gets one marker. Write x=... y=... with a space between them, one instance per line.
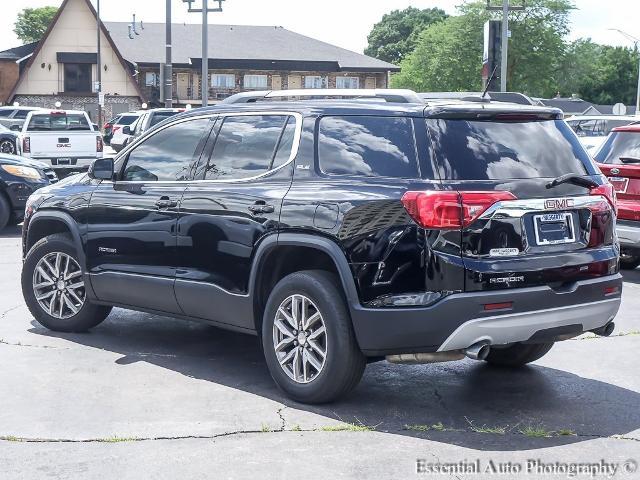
x=20 y=344
x=9 y=310
x=282 y=419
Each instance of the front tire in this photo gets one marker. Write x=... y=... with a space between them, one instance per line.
x=5 y=212
x=307 y=338
x=7 y=146
x=517 y=355
x=53 y=287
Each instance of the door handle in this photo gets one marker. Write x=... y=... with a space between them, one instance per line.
x=166 y=202
x=261 y=208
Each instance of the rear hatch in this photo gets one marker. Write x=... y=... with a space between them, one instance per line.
x=60 y=136
x=619 y=160
x=517 y=228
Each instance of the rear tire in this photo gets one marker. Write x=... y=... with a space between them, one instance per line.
x=517 y=355
x=7 y=146
x=629 y=262
x=72 y=310
x=5 y=212
x=313 y=295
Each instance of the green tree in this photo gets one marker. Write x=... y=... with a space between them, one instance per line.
x=33 y=22
x=448 y=56
x=396 y=34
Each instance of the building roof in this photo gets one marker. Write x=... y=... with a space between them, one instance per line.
x=571 y=105
x=262 y=44
x=17 y=53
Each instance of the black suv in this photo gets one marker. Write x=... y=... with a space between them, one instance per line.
x=340 y=232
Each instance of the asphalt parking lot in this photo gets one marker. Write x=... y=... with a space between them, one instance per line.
x=143 y=396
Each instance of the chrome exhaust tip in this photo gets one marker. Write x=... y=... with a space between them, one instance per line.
x=478 y=351
x=605 y=330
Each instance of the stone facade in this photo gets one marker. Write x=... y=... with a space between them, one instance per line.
x=114 y=104
x=188 y=91
x=9 y=74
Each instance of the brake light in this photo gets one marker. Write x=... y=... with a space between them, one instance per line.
x=450 y=209
x=115 y=129
x=99 y=144
x=498 y=306
x=26 y=145
x=106 y=126
x=608 y=192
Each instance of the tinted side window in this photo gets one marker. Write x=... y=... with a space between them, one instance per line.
x=5 y=113
x=249 y=145
x=167 y=155
x=367 y=145
x=21 y=114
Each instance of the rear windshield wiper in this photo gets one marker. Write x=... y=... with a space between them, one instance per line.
x=573 y=178
x=630 y=159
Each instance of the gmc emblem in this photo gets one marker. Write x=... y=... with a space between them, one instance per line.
x=558 y=203
x=63 y=145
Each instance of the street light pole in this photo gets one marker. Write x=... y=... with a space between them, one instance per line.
x=168 y=67
x=205 y=10
x=205 y=54
x=504 y=45
x=98 y=69
x=636 y=45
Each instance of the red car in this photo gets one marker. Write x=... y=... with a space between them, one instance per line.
x=619 y=159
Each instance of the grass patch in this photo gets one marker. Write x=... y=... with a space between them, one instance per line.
x=565 y=432
x=536 y=432
x=265 y=428
x=417 y=428
x=116 y=439
x=296 y=428
x=486 y=429
x=10 y=438
x=349 y=427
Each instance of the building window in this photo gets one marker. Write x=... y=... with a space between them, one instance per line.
x=255 y=81
x=347 y=82
x=224 y=80
x=315 y=81
x=151 y=79
x=77 y=77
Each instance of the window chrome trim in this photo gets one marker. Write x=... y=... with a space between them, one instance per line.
x=294 y=147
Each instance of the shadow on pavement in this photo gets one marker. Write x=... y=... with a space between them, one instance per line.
x=631 y=276
x=389 y=396
x=11 y=231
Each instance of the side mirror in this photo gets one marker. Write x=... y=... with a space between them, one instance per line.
x=15 y=127
x=101 y=169
x=126 y=130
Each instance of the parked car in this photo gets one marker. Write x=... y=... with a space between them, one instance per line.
x=8 y=141
x=64 y=139
x=340 y=232
x=118 y=137
x=147 y=120
x=14 y=116
x=593 y=129
x=619 y=159
x=19 y=178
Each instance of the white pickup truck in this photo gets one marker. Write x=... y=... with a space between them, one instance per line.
x=65 y=139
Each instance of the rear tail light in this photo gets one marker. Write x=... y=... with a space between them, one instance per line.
x=450 y=209
x=115 y=128
x=106 y=126
x=26 y=145
x=498 y=306
x=99 y=144
x=608 y=192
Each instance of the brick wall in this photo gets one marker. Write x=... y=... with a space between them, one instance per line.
x=9 y=73
x=189 y=90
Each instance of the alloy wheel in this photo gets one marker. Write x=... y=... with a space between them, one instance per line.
x=58 y=285
x=7 y=146
x=300 y=338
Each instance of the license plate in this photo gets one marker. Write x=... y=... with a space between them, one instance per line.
x=620 y=184
x=64 y=161
x=554 y=228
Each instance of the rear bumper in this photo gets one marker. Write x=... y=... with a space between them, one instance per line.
x=460 y=320
x=628 y=234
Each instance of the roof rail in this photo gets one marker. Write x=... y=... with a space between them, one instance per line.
x=388 y=95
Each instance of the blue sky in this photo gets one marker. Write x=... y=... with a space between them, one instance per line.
x=342 y=22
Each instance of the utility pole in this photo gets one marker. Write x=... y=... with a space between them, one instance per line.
x=205 y=10
x=505 y=7
x=168 y=67
x=636 y=45
x=99 y=70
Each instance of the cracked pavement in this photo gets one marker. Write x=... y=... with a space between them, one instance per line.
x=143 y=396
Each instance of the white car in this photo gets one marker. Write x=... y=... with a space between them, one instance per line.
x=119 y=138
x=593 y=129
x=64 y=139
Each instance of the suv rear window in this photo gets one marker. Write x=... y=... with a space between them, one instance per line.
x=127 y=119
x=619 y=144
x=367 y=145
x=57 y=122
x=499 y=150
x=158 y=117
